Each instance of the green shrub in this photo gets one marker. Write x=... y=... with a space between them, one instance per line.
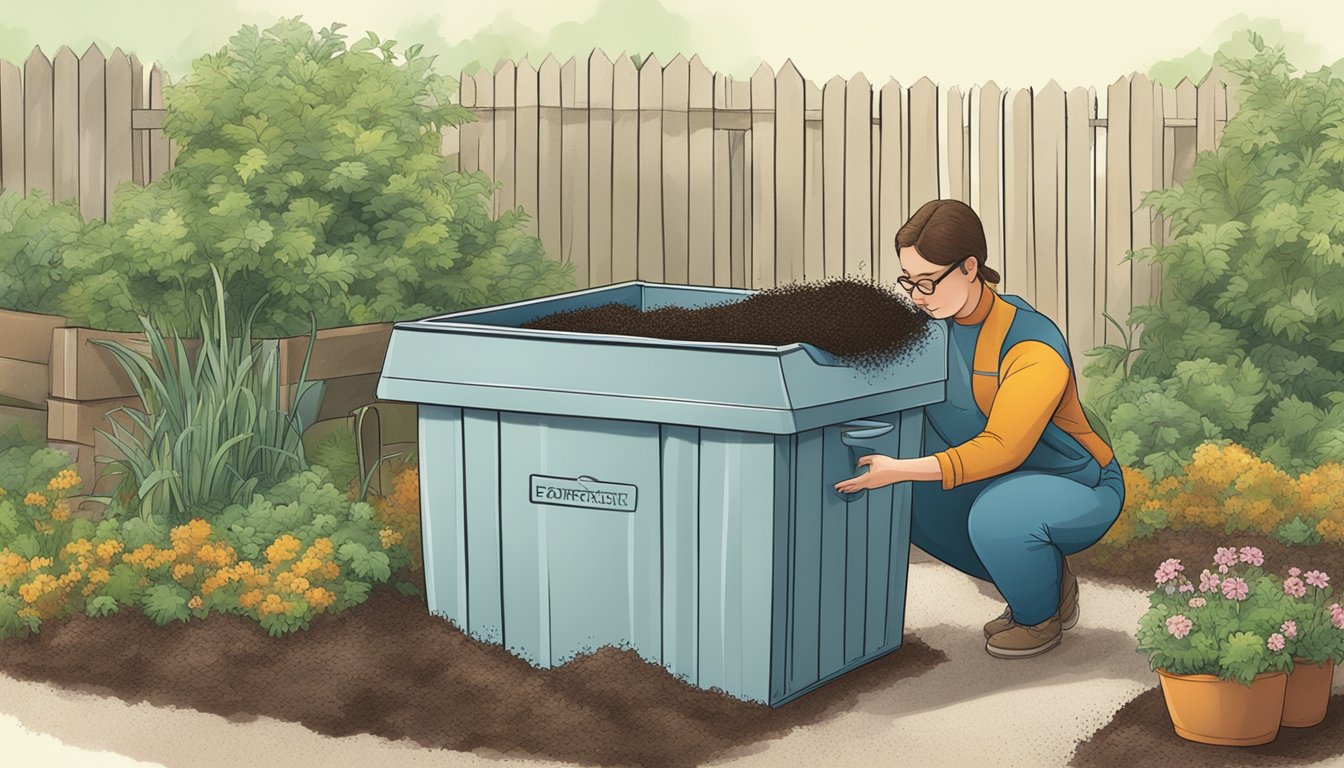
x=1243 y=343
x=312 y=171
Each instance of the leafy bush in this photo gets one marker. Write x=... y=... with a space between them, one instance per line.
x=210 y=432
x=314 y=171
x=1243 y=343
x=1226 y=488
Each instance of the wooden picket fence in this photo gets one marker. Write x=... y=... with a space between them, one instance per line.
x=76 y=127
x=677 y=174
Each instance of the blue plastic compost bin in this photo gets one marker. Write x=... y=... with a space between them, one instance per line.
x=673 y=497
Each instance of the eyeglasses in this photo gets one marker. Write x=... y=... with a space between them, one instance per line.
x=926 y=286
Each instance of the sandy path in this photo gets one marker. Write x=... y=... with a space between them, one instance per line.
x=972 y=710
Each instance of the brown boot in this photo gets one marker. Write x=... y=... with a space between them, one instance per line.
x=1068 y=606
x=1020 y=641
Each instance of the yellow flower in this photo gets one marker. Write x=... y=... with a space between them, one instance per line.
x=288 y=582
x=319 y=598
x=80 y=547
x=63 y=481
x=39 y=562
x=285 y=548
x=272 y=605
x=194 y=603
x=389 y=538
x=35 y=500
x=249 y=599
x=99 y=576
x=60 y=512
x=108 y=549
x=183 y=570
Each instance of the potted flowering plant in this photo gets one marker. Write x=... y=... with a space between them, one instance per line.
x=1313 y=633
x=1218 y=648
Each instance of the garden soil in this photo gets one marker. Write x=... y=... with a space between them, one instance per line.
x=390 y=669
x=866 y=324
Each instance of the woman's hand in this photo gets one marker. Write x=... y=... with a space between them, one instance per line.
x=882 y=470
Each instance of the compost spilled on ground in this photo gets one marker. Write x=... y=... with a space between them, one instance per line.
x=866 y=325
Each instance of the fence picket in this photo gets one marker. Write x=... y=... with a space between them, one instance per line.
x=1145 y=147
x=67 y=174
x=892 y=189
x=649 y=208
x=858 y=188
x=675 y=174
x=11 y=128
x=574 y=164
x=601 y=142
x=1118 y=207
x=506 y=136
x=158 y=141
x=550 y=156
x=118 y=138
x=38 y=123
x=814 y=252
x=990 y=169
x=139 y=138
x=764 y=270
x=790 y=114
x=1019 y=273
x=1047 y=194
x=702 y=175
x=923 y=159
x=833 y=175
x=1079 y=259
x=953 y=148
x=723 y=191
x=625 y=171
x=527 y=115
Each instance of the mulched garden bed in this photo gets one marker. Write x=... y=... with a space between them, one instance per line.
x=391 y=669
x=1141 y=734
x=1133 y=563
x=862 y=322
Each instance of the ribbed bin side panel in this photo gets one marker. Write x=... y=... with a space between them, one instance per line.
x=442 y=512
x=481 y=468
x=847 y=560
x=578 y=578
x=736 y=539
x=681 y=578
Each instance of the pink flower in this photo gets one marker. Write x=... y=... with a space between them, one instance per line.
x=1187 y=588
x=1235 y=589
x=1208 y=582
x=1179 y=626
x=1275 y=642
x=1294 y=571
x=1252 y=555
x=1337 y=615
x=1226 y=556
x=1222 y=569
x=1198 y=602
x=1294 y=586
x=1289 y=628
x=1318 y=579
x=1168 y=570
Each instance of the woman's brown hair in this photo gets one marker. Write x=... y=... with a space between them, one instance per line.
x=946 y=232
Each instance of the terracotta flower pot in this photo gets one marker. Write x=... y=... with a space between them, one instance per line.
x=1209 y=710
x=1307 y=693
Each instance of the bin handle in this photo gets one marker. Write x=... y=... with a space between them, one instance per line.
x=858 y=435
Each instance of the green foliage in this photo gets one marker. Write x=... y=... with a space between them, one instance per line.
x=1297 y=533
x=209 y=433
x=1243 y=342
x=338 y=453
x=166 y=602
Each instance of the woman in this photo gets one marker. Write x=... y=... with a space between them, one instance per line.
x=1013 y=479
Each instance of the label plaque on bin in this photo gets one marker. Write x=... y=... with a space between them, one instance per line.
x=582 y=491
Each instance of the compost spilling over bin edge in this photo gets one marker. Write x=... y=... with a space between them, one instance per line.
x=866 y=325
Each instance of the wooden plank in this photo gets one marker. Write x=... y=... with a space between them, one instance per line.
x=469 y=133
x=858 y=178
x=1221 y=78
x=574 y=164
x=11 y=128
x=953 y=148
x=703 y=172
x=158 y=140
x=73 y=421
x=763 y=253
x=814 y=264
x=27 y=335
x=723 y=190
x=139 y=136
x=39 y=149
x=1146 y=152
x=739 y=95
x=650 y=187
x=601 y=140
x=485 y=147
x=923 y=158
x=525 y=145
x=23 y=383
x=790 y=262
x=676 y=168
x=118 y=139
x=1099 y=229
x=1207 y=95
x=625 y=171
x=506 y=136
x=1079 y=272
x=65 y=125
x=1047 y=132
x=1019 y=262
x=93 y=134
x=550 y=158
x=833 y=176
x=1118 y=207
x=892 y=202
x=347 y=351
x=990 y=164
